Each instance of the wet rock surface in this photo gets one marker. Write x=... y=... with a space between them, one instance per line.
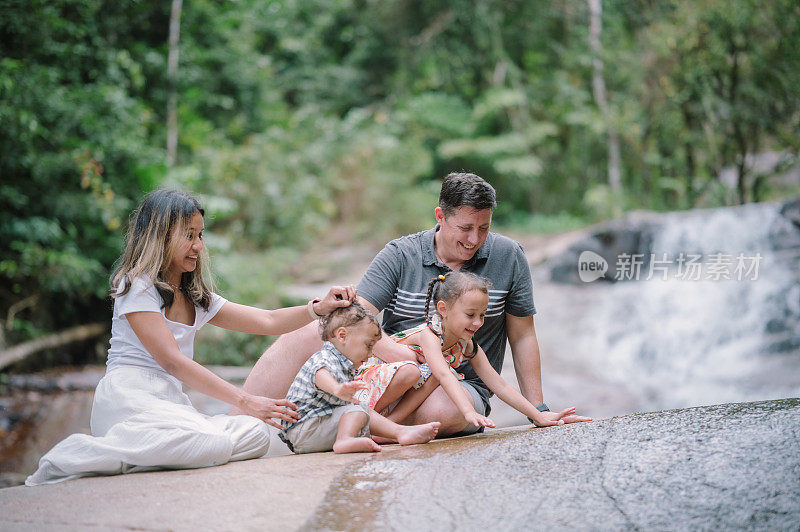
x=733 y=466
x=632 y=235
x=719 y=467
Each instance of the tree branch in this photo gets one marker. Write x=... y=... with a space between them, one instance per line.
x=67 y=336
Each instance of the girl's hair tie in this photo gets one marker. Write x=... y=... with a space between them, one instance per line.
x=441 y=277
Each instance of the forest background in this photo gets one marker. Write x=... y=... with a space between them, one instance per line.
x=296 y=121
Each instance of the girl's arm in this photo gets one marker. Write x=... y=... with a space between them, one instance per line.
x=153 y=332
x=252 y=320
x=390 y=351
x=512 y=397
x=432 y=349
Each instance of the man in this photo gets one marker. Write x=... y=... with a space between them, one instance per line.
x=396 y=282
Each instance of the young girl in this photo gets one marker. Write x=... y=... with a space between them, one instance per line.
x=445 y=340
x=141 y=419
x=324 y=392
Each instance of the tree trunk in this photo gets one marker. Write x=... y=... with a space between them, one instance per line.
x=172 y=81
x=691 y=167
x=599 y=91
x=738 y=135
x=68 y=336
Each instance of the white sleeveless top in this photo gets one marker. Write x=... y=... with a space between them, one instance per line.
x=126 y=348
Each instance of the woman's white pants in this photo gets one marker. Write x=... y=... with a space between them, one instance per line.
x=142 y=421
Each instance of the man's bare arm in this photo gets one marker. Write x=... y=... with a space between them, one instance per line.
x=527 y=360
x=387 y=349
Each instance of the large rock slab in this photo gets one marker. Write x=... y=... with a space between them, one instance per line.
x=267 y=494
x=728 y=466
x=720 y=467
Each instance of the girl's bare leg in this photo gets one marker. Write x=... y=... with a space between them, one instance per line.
x=403 y=380
x=347 y=439
x=412 y=399
x=384 y=428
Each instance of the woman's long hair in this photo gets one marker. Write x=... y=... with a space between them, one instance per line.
x=153 y=233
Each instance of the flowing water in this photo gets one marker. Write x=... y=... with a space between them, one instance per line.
x=655 y=344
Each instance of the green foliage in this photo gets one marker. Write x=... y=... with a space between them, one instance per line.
x=445 y=114
x=76 y=154
x=542 y=224
x=253 y=278
x=298 y=118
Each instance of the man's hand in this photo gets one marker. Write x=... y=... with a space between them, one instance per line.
x=575 y=419
x=548 y=419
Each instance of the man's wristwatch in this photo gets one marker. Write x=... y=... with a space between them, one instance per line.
x=541 y=408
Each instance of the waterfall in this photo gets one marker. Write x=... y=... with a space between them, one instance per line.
x=681 y=342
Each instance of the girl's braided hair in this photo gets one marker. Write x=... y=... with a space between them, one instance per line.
x=452 y=285
x=345 y=317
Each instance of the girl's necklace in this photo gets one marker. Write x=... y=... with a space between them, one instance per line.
x=451 y=345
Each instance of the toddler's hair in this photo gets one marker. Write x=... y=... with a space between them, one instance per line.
x=345 y=317
x=452 y=285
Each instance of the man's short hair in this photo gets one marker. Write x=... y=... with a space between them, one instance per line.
x=464 y=189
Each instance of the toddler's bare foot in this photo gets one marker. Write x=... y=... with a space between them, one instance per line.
x=381 y=439
x=355 y=445
x=418 y=433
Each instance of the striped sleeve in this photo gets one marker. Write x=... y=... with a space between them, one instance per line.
x=382 y=277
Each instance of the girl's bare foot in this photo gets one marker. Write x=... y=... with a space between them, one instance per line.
x=355 y=445
x=418 y=433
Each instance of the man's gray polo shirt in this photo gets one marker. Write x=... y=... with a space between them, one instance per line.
x=397 y=283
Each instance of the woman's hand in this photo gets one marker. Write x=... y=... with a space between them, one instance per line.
x=548 y=419
x=267 y=409
x=337 y=296
x=479 y=420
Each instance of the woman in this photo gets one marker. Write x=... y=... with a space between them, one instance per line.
x=141 y=420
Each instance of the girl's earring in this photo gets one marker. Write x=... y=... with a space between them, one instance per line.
x=436 y=323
